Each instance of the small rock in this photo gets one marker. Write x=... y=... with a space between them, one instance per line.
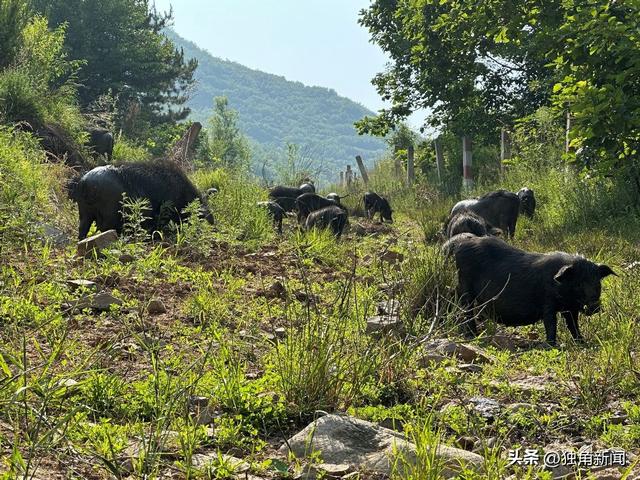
x=96 y=243
x=389 y=307
x=202 y=460
x=332 y=470
x=52 y=235
x=466 y=443
x=391 y=256
x=470 y=368
x=156 y=307
x=280 y=332
x=486 y=407
x=126 y=258
x=384 y=324
x=102 y=301
x=430 y=359
x=466 y=352
x=618 y=419
x=79 y=283
x=200 y=409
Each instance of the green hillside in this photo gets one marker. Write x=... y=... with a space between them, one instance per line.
x=274 y=111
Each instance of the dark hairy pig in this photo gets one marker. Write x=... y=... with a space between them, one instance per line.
x=332 y=217
x=309 y=202
x=499 y=208
x=527 y=202
x=281 y=191
x=521 y=288
x=101 y=142
x=374 y=203
x=99 y=194
x=468 y=222
x=275 y=211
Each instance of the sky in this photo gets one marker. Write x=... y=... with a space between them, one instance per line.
x=316 y=42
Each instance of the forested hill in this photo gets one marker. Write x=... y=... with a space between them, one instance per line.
x=274 y=111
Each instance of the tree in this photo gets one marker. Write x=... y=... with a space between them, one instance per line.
x=14 y=15
x=226 y=143
x=125 y=54
x=478 y=65
x=474 y=65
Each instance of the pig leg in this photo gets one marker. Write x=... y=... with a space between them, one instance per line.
x=86 y=219
x=572 y=324
x=550 y=325
x=465 y=294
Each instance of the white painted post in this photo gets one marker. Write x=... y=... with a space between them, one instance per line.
x=567 y=141
x=505 y=147
x=411 y=174
x=439 y=159
x=467 y=173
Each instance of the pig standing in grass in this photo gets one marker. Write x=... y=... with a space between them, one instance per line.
x=521 y=288
x=332 y=217
x=100 y=192
x=499 y=208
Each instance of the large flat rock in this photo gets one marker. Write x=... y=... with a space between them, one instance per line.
x=364 y=445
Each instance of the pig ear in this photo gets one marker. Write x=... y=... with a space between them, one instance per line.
x=605 y=271
x=564 y=274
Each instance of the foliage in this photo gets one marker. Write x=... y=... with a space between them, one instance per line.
x=127 y=56
x=227 y=144
x=38 y=87
x=14 y=15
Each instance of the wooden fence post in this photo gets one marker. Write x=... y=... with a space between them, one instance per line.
x=411 y=174
x=505 y=147
x=439 y=159
x=341 y=178
x=182 y=151
x=348 y=175
x=363 y=170
x=467 y=173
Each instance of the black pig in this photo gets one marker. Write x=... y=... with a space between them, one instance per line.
x=521 y=288
x=527 y=202
x=310 y=202
x=100 y=191
x=500 y=209
x=469 y=222
x=332 y=217
x=374 y=203
x=275 y=211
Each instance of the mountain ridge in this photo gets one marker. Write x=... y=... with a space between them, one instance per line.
x=274 y=111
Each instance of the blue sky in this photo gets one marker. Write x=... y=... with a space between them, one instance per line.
x=316 y=42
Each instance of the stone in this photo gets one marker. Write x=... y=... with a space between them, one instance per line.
x=430 y=359
x=96 y=243
x=52 y=235
x=390 y=307
x=391 y=256
x=464 y=351
x=102 y=301
x=156 y=307
x=201 y=410
x=280 y=332
x=126 y=258
x=382 y=324
x=79 y=283
x=486 y=407
x=365 y=445
x=470 y=368
x=202 y=460
x=332 y=470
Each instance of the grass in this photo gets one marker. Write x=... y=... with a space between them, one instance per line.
x=272 y=329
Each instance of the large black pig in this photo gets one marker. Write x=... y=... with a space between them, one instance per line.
x=100 y=191
x=499 y=208
x=332 y=217
x=520 y=288
x=101 y=142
